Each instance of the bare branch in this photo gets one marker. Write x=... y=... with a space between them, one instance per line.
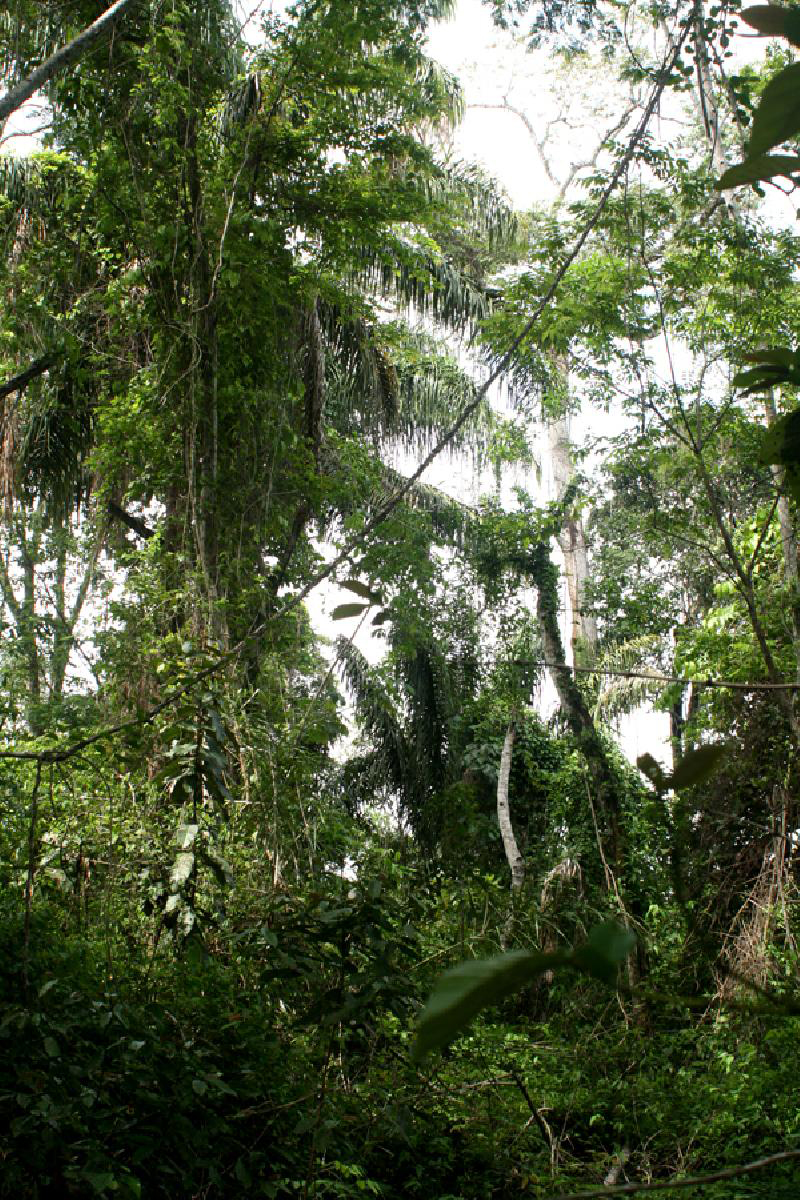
x=506 y=106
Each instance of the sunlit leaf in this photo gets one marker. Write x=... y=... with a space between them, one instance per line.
x=181 y=870
x=185 y=835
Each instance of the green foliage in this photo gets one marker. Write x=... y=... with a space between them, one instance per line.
x=224 y=281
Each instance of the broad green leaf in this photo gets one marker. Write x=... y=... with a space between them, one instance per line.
x=361 y=589
x=763 y=166
x=774 y=21
x=778 y=356
x=781 y=442
x=607 y=946
x=777 y=117
x=101 y=1181
x=381 y=618
x=218 y=727
x=464 y=991
x=697 y=766
x=781 y=446
x=759 y=378
x=222 y=869
x=343 y=611
x=52 y=1048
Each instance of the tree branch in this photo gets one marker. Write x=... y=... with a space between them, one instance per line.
x=18 y=382
x=62 y=58
x=135 y=523
x=629 y=1189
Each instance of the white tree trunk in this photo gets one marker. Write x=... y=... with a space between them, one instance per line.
x=510 y=846
x=572 y=540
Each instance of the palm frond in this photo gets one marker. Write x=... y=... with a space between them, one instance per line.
x=376 y=711
x=53 y=437
x=618 y=695
x=32 y=188
x=477 y=207
x=397 y=386
x=450 y=519
x=414 y=278
x=441 y=90
x=433 y=390
x=364 y=386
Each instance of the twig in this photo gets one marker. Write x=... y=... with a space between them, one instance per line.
x=629 y=1189
x=536 y=1114
x=657 y=677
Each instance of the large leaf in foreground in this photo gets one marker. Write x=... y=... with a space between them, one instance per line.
x=781 y=446
x=466 y=990
x=774 y=21
x=698 y=765
x=762 y=167
x=777 y=117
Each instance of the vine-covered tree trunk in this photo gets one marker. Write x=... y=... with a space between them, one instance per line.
x=572 y=541
x=575 y=708
x=788 y=543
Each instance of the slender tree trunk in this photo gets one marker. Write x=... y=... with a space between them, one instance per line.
x=68 y=619
x=677 y=724
x=572 y=541
x=28 y=633
x=575 y=708
x=744 y=576
x=513 y=856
